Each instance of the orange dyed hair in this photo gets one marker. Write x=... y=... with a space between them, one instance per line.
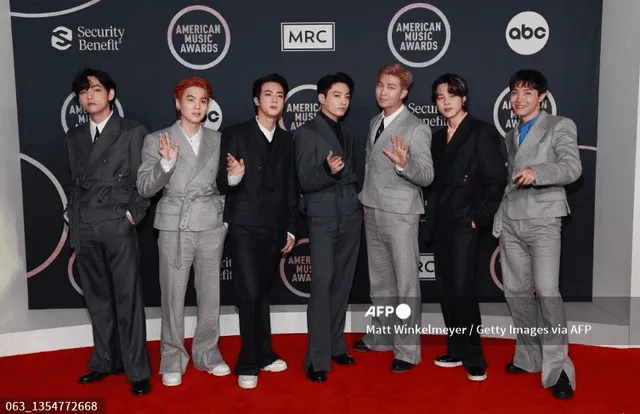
x=182 y=86
x=406 y=78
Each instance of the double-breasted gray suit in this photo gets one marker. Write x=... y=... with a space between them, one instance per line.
x=394 y=202
x=528 y=224
x=192 y=233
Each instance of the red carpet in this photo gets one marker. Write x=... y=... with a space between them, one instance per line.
x=605 y=384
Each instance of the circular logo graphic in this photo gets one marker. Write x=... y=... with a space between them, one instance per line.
x=198 y=37
x=403 y=311
x=295 y=269
x=505 y=119
x=300 y=106
x=527 y=33
x=73 y=114
x=214 y=115
x=419 y=35
x=63 y=198
x=494 y=268
x=45 y=14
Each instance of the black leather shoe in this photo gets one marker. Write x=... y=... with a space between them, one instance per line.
x=316 y=376
x=398 y=365
x=447 y=361
x=92 y=376
x=477 y=374
x=562 y=390
x=361 y=347
x=140 y=388
x=512 y=369
x=344 y=359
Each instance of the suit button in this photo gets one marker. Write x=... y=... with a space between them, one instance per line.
x=105 y=161
x=259 y=166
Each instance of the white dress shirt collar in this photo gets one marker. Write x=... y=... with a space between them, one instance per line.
x=389 y=119
x=100 y=126
x=265 y=131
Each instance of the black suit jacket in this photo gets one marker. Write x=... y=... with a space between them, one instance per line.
x=470 y=176
x=268 y=193
x=103 y=176
x=324 y=194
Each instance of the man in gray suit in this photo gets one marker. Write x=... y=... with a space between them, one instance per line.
x=192 y=233
x=325 y=162
x=543 y=156
x=398 y=164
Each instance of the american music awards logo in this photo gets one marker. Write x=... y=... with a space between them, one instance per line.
x=300 y=106
x=295 y=269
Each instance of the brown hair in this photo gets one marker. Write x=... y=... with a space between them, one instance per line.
x=406 y=78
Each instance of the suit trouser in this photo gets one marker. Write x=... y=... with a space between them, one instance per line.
x=394 y=257
x=203 y=251
x=108 y=265
x=334 y=254
x=255 y=253
x=530 y=258
x=455 y=253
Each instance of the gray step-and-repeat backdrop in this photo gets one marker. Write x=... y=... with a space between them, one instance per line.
x=149 y=46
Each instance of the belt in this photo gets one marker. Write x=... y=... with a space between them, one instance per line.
x=187 y=199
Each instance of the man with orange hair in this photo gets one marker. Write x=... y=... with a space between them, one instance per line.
x=182 y=161
x=398 y=164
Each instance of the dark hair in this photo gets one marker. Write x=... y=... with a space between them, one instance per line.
x=529 y=78
x=456 y=86
x=327 y=81
x=81 y=82
x=274 y=77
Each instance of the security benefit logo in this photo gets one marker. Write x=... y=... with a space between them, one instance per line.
x=427 y=113
x=527 y=33
x=301 y=105
x=89 y=39
x=214 y=115
x=225 y=269
x=296 y=37
x=198 y=37
x=505 y=119
x=295 y=269
x=419 y=35
x=72 y=114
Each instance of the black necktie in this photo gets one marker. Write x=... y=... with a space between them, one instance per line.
x=95 y=139
x=379 y=131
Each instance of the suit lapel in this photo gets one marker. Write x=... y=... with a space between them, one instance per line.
x=84 y=140
x=328 y=135
x=207 y=145
x=184 y=150
x=396 y=128
x=533 y=137
x=107 y=136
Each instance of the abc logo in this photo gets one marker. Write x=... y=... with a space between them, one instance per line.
x=527 y=33
x=214 y=115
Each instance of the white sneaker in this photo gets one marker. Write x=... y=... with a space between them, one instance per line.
x=247 y=382
x=276 y=366
x=220 y=370
x=172 y=379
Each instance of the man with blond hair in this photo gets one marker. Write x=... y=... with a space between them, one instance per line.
x=398 y=164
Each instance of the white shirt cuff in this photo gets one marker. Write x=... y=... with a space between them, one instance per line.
x=167 y=165
x=130 y=216
x=292 y=236
x=398 y=168
x=234 y=179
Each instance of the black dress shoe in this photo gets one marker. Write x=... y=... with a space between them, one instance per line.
x=316 y=376
x=92 y=376
x=447 y=361
x=344 y=359
x=512 y=369
x=398 y=365
x=562 y=390
x=140 y=388
x=361 y=347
